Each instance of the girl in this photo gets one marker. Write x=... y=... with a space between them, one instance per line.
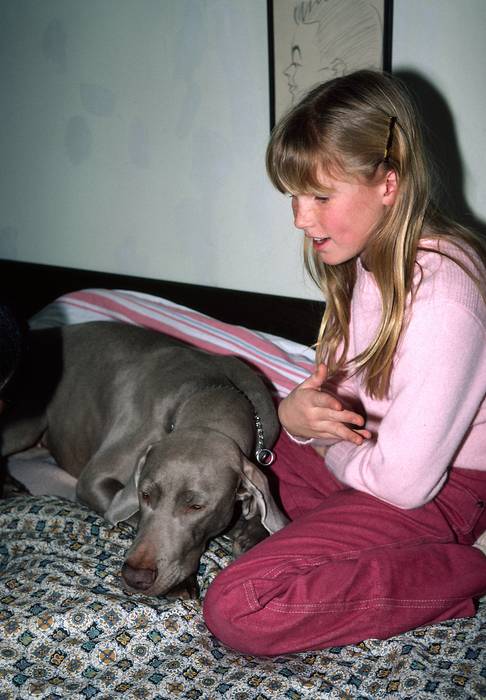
x=382 y=528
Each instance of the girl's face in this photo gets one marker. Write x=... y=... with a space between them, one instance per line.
x=341 y=217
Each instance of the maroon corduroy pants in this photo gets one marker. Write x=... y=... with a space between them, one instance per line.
x=350 y=567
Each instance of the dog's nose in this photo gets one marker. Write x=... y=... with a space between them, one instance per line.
x=141 y=579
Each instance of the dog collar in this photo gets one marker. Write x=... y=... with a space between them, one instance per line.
x=263 y=455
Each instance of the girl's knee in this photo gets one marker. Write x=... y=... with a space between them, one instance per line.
x=220 y=608
x=229 y=618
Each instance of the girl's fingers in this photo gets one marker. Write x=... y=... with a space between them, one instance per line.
x=350 y=435
x=365 y=433
x=359 y=436
x=327 y=414
x=342 y=432
x=346 y=417
x=323 y=400
x=316 y=379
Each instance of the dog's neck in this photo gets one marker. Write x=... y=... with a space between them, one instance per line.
x=264 y=456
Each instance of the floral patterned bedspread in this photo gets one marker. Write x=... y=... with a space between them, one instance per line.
x=67 y=630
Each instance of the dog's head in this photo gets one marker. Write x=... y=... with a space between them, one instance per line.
x=184 y=488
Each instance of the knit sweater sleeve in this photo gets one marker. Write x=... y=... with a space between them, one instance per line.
x=437 y=394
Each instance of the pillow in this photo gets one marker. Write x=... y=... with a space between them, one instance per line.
x=284 y=362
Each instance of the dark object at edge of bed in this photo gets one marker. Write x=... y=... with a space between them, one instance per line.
x=28 y=287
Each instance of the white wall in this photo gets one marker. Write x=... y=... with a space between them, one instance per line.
x=444 y=41
x=133 y=133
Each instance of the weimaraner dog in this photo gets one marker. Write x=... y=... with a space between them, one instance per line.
x=155 y=431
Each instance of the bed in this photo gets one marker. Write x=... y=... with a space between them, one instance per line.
x=67 y=630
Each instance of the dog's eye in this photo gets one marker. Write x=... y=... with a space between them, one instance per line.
x=145 y=497
x=195 y=506
x=170 y=428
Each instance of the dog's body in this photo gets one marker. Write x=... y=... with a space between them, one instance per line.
x=150 y=426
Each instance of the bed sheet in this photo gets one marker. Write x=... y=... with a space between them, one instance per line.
x=67 y=630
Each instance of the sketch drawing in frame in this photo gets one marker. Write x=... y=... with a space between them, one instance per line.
x=312 y=41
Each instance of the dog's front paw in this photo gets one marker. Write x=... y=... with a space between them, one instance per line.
x=186 y=590
x=246 y=534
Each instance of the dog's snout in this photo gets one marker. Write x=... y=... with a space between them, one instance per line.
x=140 y=579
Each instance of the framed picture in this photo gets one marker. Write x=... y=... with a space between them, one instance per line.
x=311 y=41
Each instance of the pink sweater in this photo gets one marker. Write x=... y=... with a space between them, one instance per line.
x=435 y=415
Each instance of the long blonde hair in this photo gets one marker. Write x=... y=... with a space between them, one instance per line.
x=342 y=128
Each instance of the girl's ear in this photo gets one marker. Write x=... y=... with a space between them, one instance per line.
x=391 y=188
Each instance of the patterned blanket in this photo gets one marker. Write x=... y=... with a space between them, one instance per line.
x=67 y=630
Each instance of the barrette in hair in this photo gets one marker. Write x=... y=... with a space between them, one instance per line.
x=389 y=142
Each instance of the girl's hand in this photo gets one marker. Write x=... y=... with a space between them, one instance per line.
x=309 y=412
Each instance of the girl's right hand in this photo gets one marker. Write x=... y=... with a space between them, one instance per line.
x=309 y=412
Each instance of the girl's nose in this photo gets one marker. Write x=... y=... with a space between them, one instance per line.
x=303 y=210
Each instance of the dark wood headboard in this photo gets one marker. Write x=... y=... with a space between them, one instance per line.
x=27 y=287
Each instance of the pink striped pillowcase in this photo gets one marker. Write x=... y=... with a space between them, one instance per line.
x=284 y=362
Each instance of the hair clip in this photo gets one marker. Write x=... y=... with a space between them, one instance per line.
x=389 y=143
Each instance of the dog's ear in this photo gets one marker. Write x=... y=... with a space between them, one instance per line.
x=255 y=494
x=125 y=501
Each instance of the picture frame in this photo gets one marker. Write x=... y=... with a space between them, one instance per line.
x=311 y=41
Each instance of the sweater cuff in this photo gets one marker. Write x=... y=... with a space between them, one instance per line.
x=338 y=455
x=298 y=441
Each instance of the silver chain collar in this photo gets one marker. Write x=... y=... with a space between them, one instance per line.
x=263 y=455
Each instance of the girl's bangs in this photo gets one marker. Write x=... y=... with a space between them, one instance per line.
x=294 y=170
x=299 y=169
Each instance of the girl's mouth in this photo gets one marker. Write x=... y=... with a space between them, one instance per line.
x=319 y=242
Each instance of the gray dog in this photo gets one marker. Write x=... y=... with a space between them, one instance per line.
x=155 y=431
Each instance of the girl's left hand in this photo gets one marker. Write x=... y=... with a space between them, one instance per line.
x=309 y=412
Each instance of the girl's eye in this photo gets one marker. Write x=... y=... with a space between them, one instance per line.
x=321 y=198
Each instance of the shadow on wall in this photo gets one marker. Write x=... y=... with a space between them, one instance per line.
x=441 y=139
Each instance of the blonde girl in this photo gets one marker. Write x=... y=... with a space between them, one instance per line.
x=381 y=462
